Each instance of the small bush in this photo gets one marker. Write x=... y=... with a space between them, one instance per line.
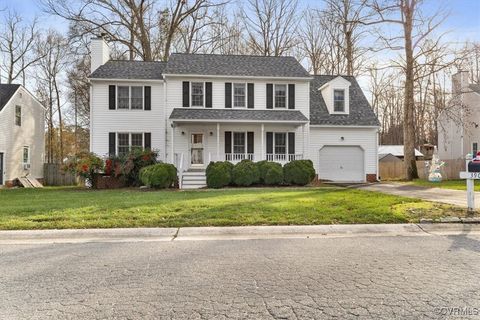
x=274 y=174
x=134 y=162
x=219 y=174
x=160 y=175
x=245 y=173
x=299 y=172
x=262 y=170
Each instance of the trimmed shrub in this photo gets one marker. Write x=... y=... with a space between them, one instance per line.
x=245 y=173
x=262 y=169
x=299 y=172
x=274 y=174
x=160 y=175
x=219 y=174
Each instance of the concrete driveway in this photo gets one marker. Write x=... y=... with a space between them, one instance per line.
x=455 y=197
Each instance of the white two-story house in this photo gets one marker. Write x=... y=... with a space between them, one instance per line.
x=198 y=108
x=22 y=134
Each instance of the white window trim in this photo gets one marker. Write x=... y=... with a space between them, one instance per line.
x=344 y=101
x=129 y=140
x=130 y=97
x=246 y=140
x=15 y=115
x=28 y=153
x=246 y=95
x=273 y=141
x=286 y=96
x=204 y=95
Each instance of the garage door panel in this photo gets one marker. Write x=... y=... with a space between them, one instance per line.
x=342 y=163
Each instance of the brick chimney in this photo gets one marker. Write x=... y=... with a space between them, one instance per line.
x=100 y=52
x=460 y=82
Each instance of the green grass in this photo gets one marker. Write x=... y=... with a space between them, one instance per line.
x=79 y=208
x=446 y=184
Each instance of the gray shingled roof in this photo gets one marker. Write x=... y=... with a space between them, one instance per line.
x=234 y=65
x=6 y=92
x=361 y=113
x=124 y=69
x=235 y=114
x=475 y=87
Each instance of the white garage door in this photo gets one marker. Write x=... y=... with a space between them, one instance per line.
x=342 y=163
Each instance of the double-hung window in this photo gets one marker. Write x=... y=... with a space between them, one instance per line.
x=130 y=97
x=281 y=96
x=239 y=142
x=280 y=142
x=137 y=141
x=136 y=98
x=123 y=144
x=123 y=93
x=339 y=100
x=18 y=115
x=239 y=95
x=26 y=155
x=197 y=94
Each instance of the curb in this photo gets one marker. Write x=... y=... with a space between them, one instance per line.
x=233 y=233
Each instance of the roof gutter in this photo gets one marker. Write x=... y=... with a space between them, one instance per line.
x=234 y=77
x=239 y=121
x=126 y=80
x=343 y=126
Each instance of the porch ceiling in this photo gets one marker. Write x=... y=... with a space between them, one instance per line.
x=236 y=115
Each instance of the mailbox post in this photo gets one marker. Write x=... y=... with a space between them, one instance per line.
x=472 y=174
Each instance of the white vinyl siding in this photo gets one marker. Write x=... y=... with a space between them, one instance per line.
x=103 y=120
x=14 y=138
x=365 y=138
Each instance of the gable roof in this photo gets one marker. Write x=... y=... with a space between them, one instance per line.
x=361 y=113
x=396 y=150
x=130 y=70
x=6 y=93
x=192 y=114
x=235 y=65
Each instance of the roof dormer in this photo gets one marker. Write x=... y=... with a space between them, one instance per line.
x=336 y=95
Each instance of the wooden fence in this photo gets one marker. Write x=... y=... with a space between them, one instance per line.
x=396 y=170
x=53 y=175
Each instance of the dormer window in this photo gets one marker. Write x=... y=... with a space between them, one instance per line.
x=281 y=96
x=197 y=94
x=338 y=100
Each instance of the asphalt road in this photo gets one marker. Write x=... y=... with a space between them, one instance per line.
x=377 y=277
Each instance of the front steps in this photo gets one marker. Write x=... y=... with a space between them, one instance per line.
x=194 y=179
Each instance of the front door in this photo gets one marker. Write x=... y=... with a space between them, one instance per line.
x=1 y=168
x=197 y=149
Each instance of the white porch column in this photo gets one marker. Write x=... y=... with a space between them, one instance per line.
x=303 y=142
x=218 y=141
x=173 y=143
x=263 y=143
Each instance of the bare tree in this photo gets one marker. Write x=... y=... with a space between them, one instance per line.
x=415 y=27
x=17 y=44
x=271 y=26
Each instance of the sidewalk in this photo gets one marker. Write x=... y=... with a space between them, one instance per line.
x=232 y=233
x=448 y=196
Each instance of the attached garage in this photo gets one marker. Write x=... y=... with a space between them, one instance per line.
x=342 y=163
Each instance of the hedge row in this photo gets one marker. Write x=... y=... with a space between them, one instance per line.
x=247 y=173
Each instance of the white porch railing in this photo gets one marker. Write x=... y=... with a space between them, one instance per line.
x=237 y=157
x=282 y=158
x=179 y=162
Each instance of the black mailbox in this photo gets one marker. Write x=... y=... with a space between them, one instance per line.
x=474 y=166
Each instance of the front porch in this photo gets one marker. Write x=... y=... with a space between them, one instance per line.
x=194 y=146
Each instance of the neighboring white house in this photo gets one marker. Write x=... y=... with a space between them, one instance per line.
x=198 y=108
x=458 y=126
x=22 y=134
x=396 y=151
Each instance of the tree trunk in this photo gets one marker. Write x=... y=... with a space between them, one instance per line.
x=408 y=7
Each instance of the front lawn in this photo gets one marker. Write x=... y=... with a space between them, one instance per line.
x=446 y=184
x=78 y=208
